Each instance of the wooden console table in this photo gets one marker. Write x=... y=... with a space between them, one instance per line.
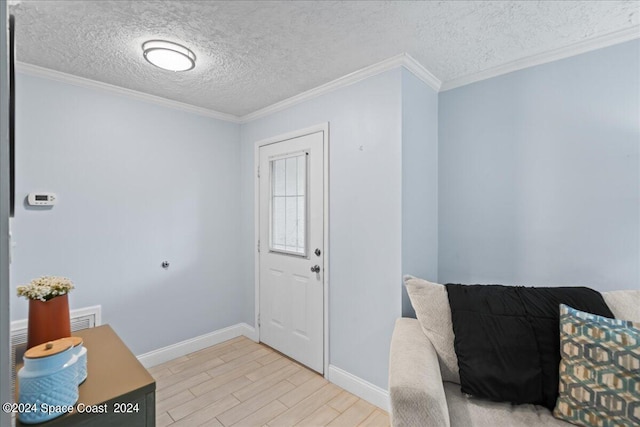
x=115 y=380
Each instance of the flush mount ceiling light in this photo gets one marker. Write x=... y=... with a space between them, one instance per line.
x=168 y=56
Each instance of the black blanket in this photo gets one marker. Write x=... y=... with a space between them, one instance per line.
x=507 y=338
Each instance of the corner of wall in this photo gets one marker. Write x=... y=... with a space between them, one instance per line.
x=419 y=182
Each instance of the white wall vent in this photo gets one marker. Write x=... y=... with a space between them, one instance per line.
x=82 y=318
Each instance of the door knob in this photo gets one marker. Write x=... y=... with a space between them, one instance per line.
x=317 y=252
x=315 y=269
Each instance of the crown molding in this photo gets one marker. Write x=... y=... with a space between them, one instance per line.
x=402 y=60
x=59 y=76
x=421 y=72
x=584 y=46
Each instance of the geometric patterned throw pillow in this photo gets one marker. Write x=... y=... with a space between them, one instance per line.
x=599 y=371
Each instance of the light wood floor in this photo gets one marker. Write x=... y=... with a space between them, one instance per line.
x=241 y=383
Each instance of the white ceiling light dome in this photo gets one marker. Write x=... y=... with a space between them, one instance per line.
x=168 y=56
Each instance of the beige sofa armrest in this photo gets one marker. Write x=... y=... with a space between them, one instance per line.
x=415 y=383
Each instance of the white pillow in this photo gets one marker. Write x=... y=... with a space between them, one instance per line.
x=624 y=304
x=431 y=303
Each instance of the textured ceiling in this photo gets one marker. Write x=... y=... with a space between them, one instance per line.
x=251 y=54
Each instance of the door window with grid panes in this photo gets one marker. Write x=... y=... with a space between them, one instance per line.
x=289 y=204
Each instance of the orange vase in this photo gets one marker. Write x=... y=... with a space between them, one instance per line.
x=48 y=320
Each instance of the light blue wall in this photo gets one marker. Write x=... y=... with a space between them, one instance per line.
x=364 y=217
x=540 y=177
x=530 y=178
x=137 y=184
x=419 y=182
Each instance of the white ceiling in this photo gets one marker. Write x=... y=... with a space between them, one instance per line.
x=252 y=54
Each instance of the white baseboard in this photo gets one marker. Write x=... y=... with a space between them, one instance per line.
x=361 y=388
x=182 y=348
x=249 y=331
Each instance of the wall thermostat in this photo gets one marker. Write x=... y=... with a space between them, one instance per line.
x=41 y=199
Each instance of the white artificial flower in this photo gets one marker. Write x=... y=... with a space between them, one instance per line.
x=46 y=287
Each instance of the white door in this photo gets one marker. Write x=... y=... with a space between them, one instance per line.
x=291 y=221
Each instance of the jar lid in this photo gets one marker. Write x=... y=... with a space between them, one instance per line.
x=76 y=341
x=50 y=348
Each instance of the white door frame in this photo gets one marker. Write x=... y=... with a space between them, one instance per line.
x=324 y=128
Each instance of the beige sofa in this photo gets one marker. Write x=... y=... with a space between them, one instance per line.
x=419 y=395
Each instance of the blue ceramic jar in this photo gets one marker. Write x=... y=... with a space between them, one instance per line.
x=48 y=381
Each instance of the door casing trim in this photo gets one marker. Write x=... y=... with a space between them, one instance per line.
x=324 y=128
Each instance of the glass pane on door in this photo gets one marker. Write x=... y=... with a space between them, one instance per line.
x=289 y=205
